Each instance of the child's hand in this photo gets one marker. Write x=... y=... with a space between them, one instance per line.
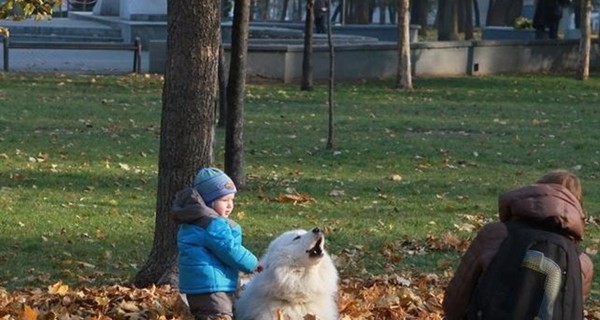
x=259 y=268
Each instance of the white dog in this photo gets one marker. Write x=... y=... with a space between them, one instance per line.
x=298 y=279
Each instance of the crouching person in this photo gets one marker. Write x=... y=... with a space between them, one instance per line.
x=529 y=265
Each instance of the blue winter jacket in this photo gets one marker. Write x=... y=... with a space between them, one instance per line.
x=210 y=247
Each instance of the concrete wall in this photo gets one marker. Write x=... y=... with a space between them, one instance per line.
x=429 y=59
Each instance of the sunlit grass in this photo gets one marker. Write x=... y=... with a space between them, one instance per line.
x=78 y=167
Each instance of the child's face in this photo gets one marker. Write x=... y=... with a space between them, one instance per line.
x=224 y=205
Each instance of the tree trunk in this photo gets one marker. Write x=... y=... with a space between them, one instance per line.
x=404 y=78
x=467 y=22
x=187 y=122
x=307 y=81
x=234 y=134
x=419 y=10
x=382 y=11
x=447 y=20
x=362 y=12
x=585 y=40
x=222 y=88
x=330 y=135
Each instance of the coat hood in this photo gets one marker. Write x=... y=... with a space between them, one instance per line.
x=539 y=202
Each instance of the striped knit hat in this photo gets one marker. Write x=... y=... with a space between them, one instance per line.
x=212 y=184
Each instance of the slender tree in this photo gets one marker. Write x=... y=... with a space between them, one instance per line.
x=307 y=81
x=234 y=133
x=585 y=39
x=331 y=101
x=187 y=121
x=404 y=77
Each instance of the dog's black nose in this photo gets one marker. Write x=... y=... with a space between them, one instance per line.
x=316 y=230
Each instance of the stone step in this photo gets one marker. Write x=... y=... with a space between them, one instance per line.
x=63 y=38
x=61 y=29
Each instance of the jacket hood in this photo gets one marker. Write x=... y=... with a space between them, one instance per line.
x=538 y=202
x=189 y=207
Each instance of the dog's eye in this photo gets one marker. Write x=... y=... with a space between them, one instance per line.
x=296 y=238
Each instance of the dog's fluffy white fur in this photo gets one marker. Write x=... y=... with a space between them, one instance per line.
x=298 y=279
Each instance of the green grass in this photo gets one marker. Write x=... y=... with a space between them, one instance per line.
x=78 y=167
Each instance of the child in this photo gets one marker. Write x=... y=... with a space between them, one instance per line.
x=553 y=203
x=210 y=245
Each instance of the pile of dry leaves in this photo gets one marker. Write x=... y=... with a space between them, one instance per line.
x=416 y=296
x=385 y=298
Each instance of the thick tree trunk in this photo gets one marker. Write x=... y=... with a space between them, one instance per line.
x=234 y=134
x=307 y=81
x=404 y=77
x=222 y=88
x=585 y=41
x=187 y=122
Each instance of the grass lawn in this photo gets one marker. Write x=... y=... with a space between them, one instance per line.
x=408 y=171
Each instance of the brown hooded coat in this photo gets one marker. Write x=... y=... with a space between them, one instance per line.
x=534 y=203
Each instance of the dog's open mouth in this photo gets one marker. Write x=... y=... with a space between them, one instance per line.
x=317 y=250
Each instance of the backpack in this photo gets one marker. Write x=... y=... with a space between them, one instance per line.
x=536 y=274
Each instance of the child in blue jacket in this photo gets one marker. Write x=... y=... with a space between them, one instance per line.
x=210 y=245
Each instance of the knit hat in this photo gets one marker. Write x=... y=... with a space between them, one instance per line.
x=212 y=184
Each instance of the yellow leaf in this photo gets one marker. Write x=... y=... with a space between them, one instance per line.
x=102 y=301
x=128 y=306
x=58 y=288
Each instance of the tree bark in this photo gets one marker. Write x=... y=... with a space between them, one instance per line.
x=585 y=39
x=234 y=134
x=307 y=81
x=222 y=88
x=330 y=135
x=404 y=77
x=419 y=10
x=467 y=22
x=447 y=20
x=187 y=122
x=362 y=12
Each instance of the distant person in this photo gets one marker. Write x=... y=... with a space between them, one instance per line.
x=547 y=18
x=320 y=10
x=533 y=219
x=210 y=247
